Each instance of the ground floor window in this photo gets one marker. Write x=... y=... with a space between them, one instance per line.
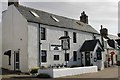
x=74 y=55
x=44 y=56
x=99 y=55
x=56 y=57
x=67 y=57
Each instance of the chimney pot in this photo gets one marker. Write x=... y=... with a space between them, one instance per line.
x=84 y=17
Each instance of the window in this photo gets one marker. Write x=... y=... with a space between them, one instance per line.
x=65 y=33
x=56 y=57
x=99 y=55
x=43 y=33
x=34 y=14
x=54 y=18
x=74 y=55
x=74 y=37
x=67 y=57
x=44 y=56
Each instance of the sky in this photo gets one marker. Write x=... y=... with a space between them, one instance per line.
x=99 y=12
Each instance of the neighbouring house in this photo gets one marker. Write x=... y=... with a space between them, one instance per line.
x=30 y=38
x=111 y=49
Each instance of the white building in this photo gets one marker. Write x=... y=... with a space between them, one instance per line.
x=22 y=41
x=111 y=49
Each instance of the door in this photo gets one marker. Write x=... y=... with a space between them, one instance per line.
x=87 y=58
x=16 y=61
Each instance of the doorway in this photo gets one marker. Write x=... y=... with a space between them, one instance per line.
x=87 y=58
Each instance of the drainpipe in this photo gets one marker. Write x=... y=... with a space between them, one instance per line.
x=39 y=42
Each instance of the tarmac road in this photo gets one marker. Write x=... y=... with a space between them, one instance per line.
x=110 y=73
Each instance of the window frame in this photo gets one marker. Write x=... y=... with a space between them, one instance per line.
x=74 y=55
x=43 y=33
x=42 y=56
x=56 y=57
x=67 y=56
x=99 y=55
x=66 y=33
x=74 y=37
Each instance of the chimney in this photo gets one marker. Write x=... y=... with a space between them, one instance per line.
x=13 y=2
x=103 y=31
x=84 y=17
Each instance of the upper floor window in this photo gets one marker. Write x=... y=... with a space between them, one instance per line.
x=74 y=37
x=43 y=33
x=65 y=33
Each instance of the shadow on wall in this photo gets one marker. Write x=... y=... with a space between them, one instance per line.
x=72 y=63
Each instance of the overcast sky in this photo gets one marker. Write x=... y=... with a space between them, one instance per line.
x=99 y=13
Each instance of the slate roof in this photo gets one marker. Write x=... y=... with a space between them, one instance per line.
x=89 y=45
x=45 y=18
x=111 y=43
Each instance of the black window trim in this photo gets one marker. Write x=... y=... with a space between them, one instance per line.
x=74 y=37
x=55 y=58
x=74 y=55
x=44 y=56
x=43 y=33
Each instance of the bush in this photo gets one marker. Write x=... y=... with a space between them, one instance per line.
x=43 y=75
x=34 y=71
x=43 y=67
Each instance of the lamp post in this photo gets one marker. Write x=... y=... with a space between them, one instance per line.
x=65 y=45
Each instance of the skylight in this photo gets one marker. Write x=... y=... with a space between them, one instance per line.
x=54 y=18
x=79 y=23
x=34 y=14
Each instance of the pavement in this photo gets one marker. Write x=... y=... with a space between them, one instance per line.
x=110 y=73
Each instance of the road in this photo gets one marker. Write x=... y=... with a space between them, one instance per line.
x=110 y=73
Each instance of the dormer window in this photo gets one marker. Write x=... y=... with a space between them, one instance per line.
x=54 y=18
x=34 y=14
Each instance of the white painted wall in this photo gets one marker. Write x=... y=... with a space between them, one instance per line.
x=52 y=37
x=55 y=73
x=99 y=63
x=33 y=45
x=14 y=29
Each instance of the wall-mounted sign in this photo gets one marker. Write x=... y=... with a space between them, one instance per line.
x=55 y=47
